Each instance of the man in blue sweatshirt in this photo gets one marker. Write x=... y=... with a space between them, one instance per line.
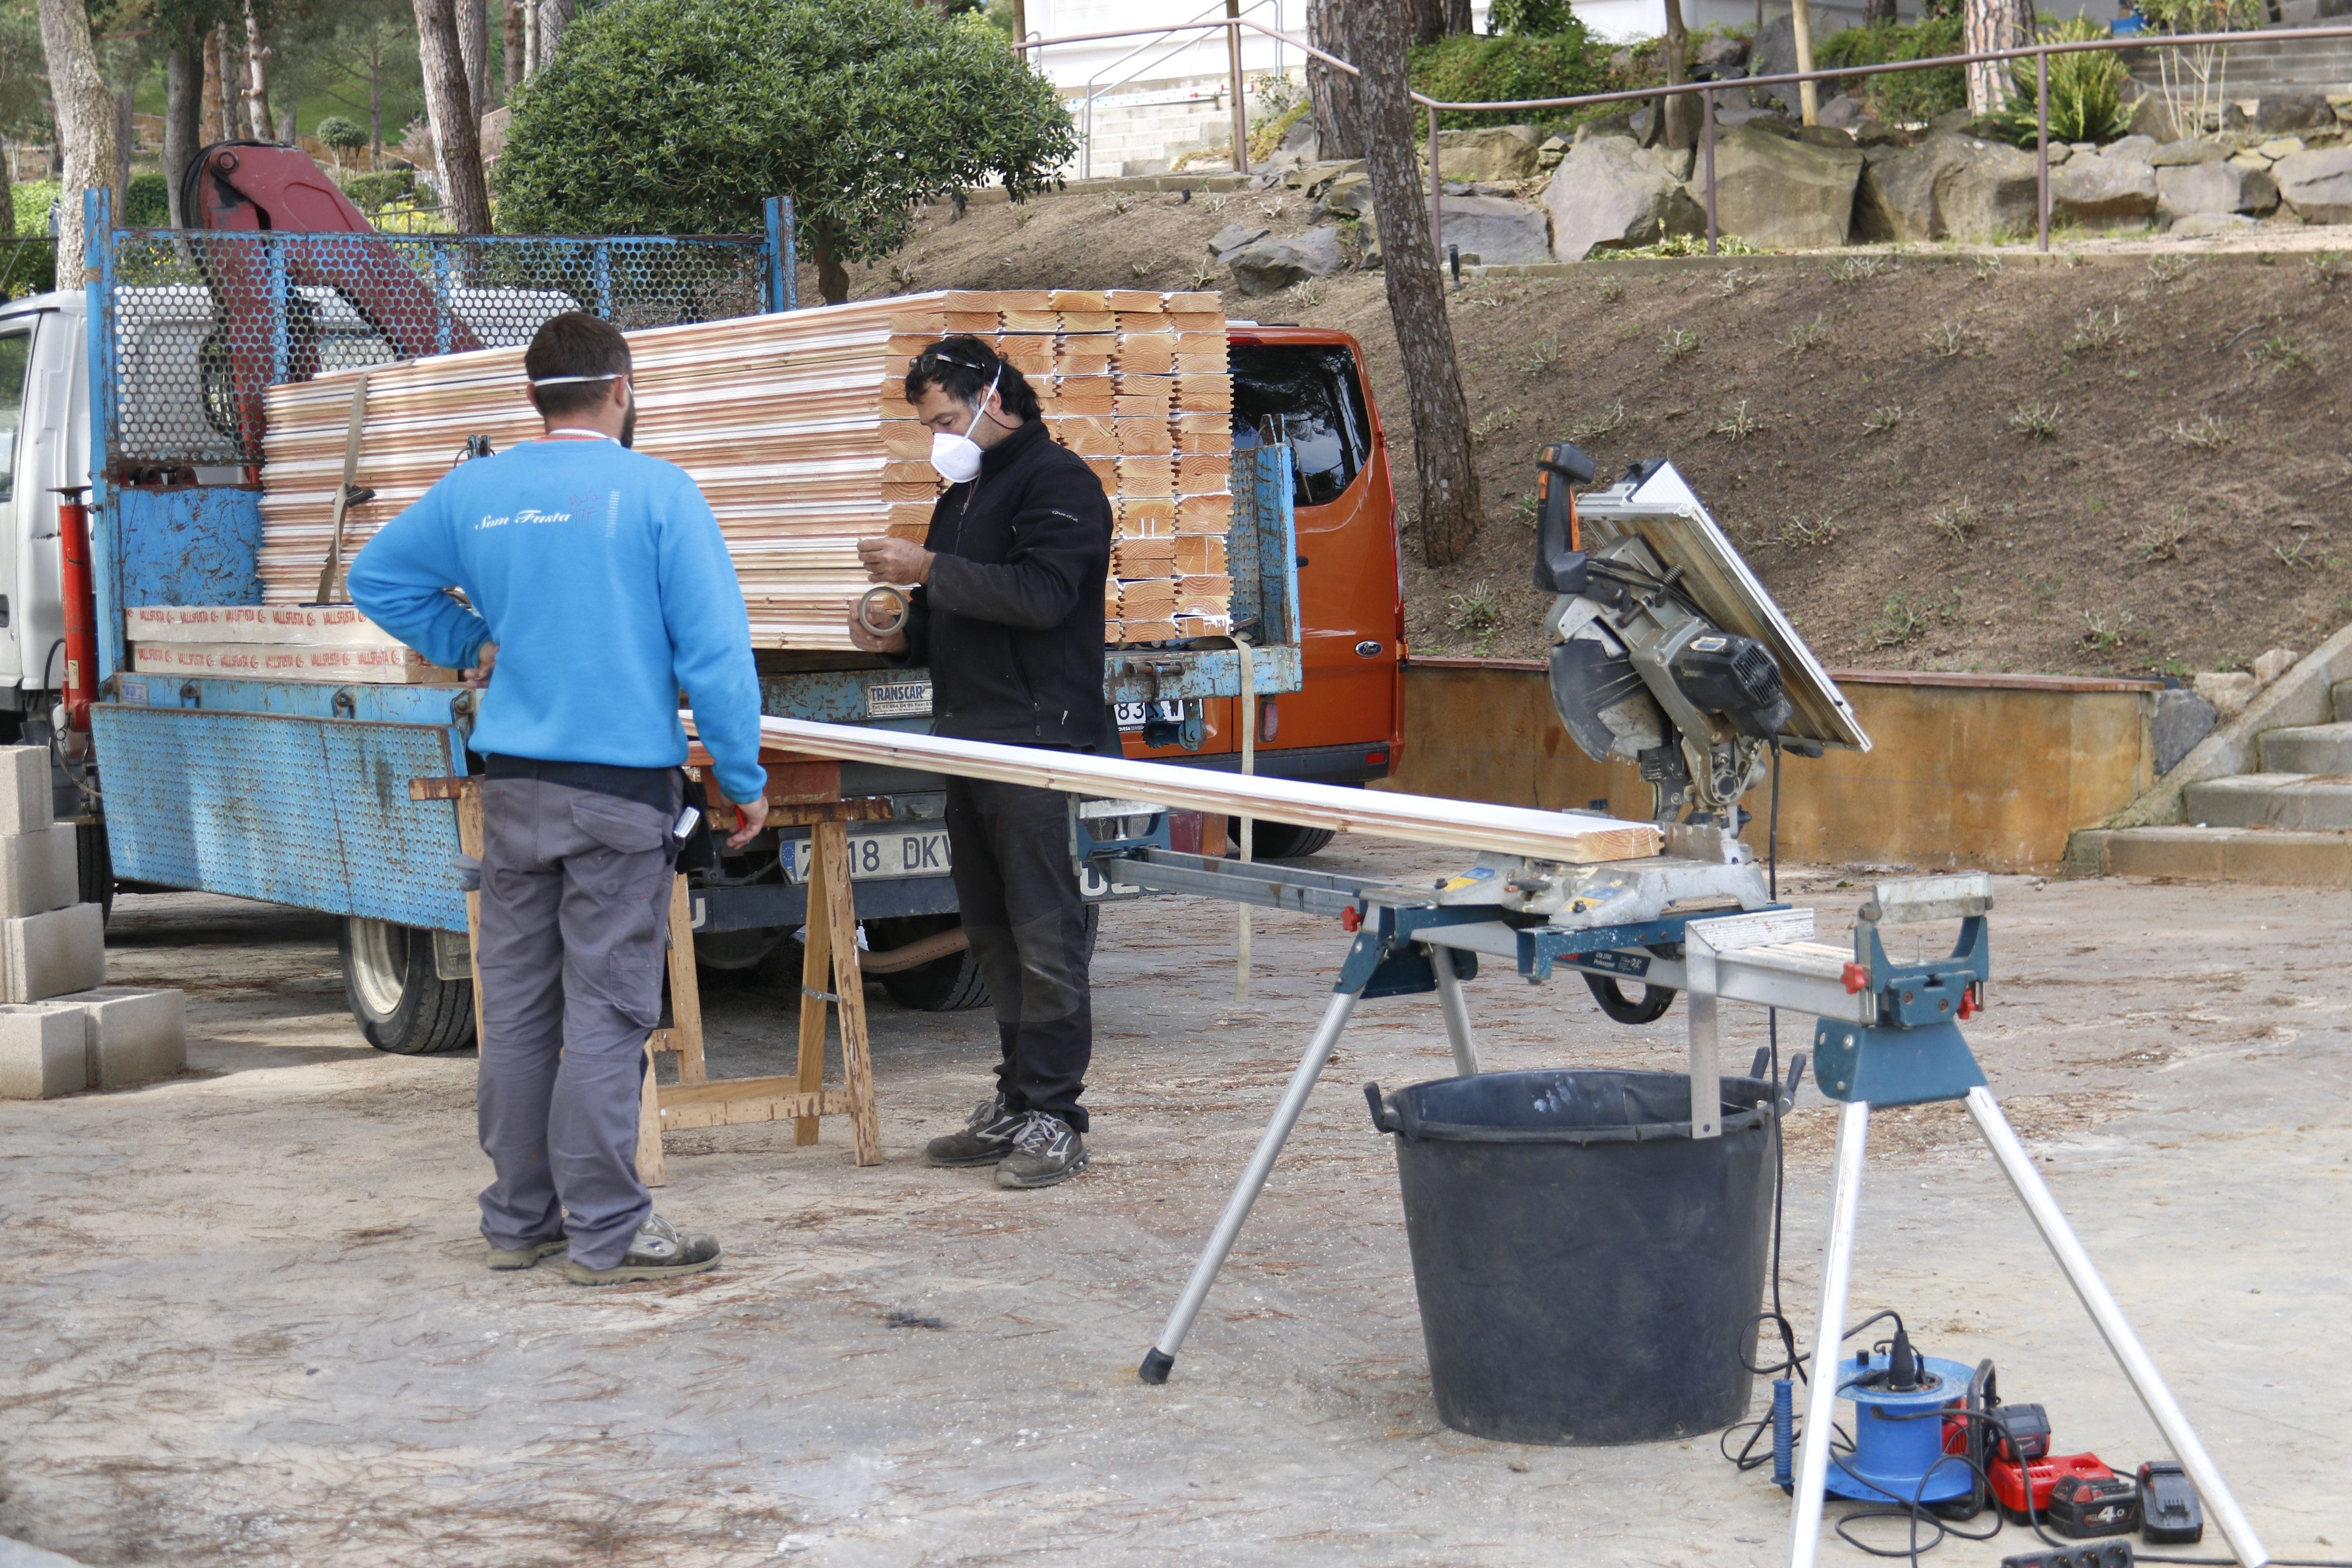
x=599 y=586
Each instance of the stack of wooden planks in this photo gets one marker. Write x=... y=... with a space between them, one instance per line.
x=797 y=430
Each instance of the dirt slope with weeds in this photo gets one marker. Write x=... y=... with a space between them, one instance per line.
x=2124 y=462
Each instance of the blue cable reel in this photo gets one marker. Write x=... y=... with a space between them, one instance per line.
x=1899 y=1434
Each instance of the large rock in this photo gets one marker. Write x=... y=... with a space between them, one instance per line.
x=1774 y=53
x=1233 y=236
x=2151 y=115
x=1610 y=193
x=1349 y=196
x=2097 y=192
x=2136 y=148
x=1498 y=233
x=2277 y=111
x=2204 y=226
x=1721 y=54
x=1783 y=194
x=2213 y=188
x=1948 y=187
x=1267 y=264
x=1490 y=152
x=2317 y=185
x=2177 y=154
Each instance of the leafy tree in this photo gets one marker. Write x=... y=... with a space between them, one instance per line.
x=680 y=116
x=342 y=136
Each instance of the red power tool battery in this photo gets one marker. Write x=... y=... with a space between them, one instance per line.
x=2093 y=1501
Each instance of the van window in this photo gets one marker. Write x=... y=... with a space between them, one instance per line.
x=15 y=364
x=1311 y=394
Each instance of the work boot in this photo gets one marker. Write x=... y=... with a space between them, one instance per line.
x=985 y=1139
x=529 y=1253
x=1046 y=1150
x=658 y=1252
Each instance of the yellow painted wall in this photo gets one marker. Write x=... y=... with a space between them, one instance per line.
x=1992 y=774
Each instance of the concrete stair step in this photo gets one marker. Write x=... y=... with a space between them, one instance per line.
x=2340 y=696
x=2308 y=749
x=2303 y=801
x=2312 y=859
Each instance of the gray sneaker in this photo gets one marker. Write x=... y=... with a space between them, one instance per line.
x=1046 y=1150
x=660 y=1251
x=985 y=1139
x=523 y=1256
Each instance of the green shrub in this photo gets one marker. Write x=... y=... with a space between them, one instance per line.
x=33 y=199
x=1531 y=18
x=1899 y=97
x=1467 y=68
x=148 y=203
x=2085 y=90
x=27 y=266
x=381 y=190
x=343 y=135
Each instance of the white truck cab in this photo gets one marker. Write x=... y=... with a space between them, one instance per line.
x=44 y=446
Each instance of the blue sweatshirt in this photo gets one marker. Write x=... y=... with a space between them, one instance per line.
x=601 y=575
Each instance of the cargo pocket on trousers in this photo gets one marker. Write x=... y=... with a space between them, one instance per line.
x=633 y=881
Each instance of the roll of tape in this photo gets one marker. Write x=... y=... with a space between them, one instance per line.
x=882 y=610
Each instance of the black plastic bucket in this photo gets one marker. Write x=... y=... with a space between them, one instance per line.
x=1588 y=1272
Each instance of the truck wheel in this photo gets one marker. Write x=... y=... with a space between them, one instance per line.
x=1287 y=840
x=95 y=869
x=951 y=985
x=399 y=1003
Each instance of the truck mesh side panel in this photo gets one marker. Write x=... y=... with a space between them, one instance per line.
x=198 y=323
x=286 y=809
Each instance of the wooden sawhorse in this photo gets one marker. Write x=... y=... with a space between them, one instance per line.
x=830 y=954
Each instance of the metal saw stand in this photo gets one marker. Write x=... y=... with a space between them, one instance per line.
x=1406 y=942
x=1907 y=1050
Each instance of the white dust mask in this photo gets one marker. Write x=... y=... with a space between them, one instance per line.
x=956 y=458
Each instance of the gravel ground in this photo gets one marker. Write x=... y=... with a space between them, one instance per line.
x=248 y=1322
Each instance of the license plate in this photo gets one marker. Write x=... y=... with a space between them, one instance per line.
x=1131 y=715
x=879 y=853
x=898 y=699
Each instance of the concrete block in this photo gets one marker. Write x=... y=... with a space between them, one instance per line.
x=131 y=1034
x=44 y=1052
x=49 y=954
x=38 y=870
x=25 y=789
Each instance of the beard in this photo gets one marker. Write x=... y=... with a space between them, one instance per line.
x=629 y=426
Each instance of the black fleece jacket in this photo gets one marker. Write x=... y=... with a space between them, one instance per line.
x=1011 y=622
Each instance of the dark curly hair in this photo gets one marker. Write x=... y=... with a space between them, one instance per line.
x=962 y=366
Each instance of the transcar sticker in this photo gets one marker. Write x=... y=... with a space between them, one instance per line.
x=898 y=699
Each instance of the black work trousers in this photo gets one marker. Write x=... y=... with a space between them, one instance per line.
x=1011 y=849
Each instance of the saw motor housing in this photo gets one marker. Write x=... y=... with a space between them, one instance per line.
x=1640 y=674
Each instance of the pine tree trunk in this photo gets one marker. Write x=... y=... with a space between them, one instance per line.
x=1450 y=502
x=513 y=53
x=184 y=112
x=554 y=16
x=375 y=99
x=1993 y=24
x=226 y=82
x=832 y=273
x=1338 y=111
x=84 y=111
x=457 y=138
x=124 y=134
x=1681 y=110
x=1875 y=12
x=1455 y=16
x=474 y=47
x=258 y=122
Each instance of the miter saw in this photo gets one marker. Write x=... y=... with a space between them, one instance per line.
x=1667 y=654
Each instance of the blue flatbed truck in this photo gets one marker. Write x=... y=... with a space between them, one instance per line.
x=144 y=388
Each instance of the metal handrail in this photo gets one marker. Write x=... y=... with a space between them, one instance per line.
x=2039 y=53
x=1240 y=113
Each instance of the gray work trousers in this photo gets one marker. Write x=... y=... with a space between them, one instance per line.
x=575 y=900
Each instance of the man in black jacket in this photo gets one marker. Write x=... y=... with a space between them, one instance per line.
x=1008 y=615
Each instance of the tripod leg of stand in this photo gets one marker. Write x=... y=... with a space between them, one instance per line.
x=1820 y=1392
x=1450 y=1002
x=2145 y=1381
x=1162 y=1354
